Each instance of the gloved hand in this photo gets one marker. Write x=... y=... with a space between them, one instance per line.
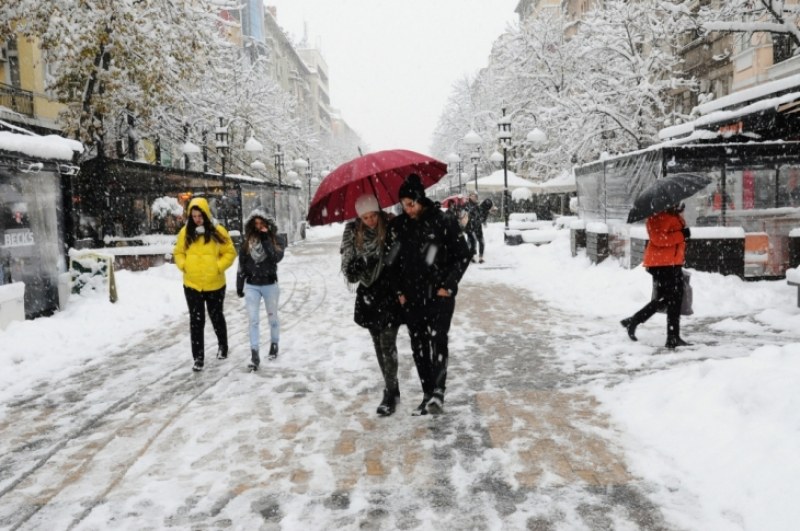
x=686 y=233
x=240 y=294
x=355 y=267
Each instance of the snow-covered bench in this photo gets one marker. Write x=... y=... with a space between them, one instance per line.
x=523 y=227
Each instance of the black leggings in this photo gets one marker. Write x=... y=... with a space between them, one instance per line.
x=197 y=301
x=385 y=342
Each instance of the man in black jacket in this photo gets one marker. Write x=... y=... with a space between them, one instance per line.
x=426 y=261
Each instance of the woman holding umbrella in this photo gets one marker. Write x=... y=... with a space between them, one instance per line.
x=376 y=309
x=664 y=259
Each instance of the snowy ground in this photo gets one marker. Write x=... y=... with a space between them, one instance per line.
x=104 y=425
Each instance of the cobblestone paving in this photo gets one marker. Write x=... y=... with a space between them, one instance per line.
x=138 y=442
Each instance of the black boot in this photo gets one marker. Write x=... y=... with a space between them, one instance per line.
x=222 y=353
x=422 y=408
x=273 y=351
x=630 y=325
x=675 y=341
x=255 y=360
x=387 y=404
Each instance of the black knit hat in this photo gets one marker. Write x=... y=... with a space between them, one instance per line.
x=412 y=188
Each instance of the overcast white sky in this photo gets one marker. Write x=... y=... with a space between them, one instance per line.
x=392 y=62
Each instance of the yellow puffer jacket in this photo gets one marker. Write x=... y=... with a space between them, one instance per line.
x=203 y=264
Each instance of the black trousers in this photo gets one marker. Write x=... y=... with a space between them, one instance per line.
x=428 y=328
x=476 y=242
x=669 y=290
x=197 y=301
x=385 y=341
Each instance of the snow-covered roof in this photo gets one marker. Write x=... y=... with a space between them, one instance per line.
x=726 y=116
x=244 y=178
x=753 y=93
x=50 y=147
x=496 y=181
x=563 y=183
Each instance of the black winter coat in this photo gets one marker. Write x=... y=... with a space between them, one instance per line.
x=262 y=273
x=426 y=254
x=475 y=223
x=376 y=307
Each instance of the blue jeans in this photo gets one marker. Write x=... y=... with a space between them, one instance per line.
x=252 y=297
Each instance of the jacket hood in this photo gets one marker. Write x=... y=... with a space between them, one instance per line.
x=202 y=204
x=259 y=213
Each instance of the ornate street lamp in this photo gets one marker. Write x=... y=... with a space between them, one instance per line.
x=253 y=146
x=221 y=143
x=473 y=139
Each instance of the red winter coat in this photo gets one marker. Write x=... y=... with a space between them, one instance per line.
x=667 y=246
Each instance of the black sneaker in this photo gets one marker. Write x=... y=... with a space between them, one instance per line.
x=387 y=404
x=198 y=366
x=222 y=353
x=273 y=351
x=422 y=408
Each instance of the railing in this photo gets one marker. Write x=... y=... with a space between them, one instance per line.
x=17 y=100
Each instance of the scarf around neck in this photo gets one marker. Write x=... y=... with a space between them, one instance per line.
x=370 y=248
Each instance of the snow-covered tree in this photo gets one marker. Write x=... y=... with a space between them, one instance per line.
x=599 y=85
x=629 y=66
x=777 y=17
x=110 y=56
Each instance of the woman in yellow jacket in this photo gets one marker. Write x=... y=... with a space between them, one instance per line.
x=203 y=252
x=664 y=258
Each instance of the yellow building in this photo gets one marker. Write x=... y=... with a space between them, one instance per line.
x=23 y=98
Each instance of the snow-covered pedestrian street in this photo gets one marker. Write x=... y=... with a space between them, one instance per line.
x=553 y=418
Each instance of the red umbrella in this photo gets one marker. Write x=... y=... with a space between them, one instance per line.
x=454 y=200
x=380 y=174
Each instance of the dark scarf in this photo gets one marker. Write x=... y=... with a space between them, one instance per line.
x=370 y=248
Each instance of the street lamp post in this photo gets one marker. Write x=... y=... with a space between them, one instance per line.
x=304 y=166
x=473 y=139
x=455 y=159
x=278 y=166
x=221 y=143
x=504 y=138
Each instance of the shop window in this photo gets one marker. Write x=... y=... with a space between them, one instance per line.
x=788 y=186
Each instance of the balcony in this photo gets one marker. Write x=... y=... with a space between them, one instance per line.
x=17 y=100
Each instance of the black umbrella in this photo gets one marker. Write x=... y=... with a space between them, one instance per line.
x=665 y=193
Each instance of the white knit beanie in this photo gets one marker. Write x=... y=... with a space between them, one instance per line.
x=367 y=203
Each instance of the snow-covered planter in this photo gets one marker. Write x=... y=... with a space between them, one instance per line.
x=92 y=272
x=166 y=206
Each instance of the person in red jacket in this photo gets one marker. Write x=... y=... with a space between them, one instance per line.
x=664 y=258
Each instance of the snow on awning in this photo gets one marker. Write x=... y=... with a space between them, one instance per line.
x=50 y=147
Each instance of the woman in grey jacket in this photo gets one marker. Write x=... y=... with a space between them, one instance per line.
x=257 y=279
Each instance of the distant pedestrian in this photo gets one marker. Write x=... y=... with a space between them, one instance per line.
x=363 y=252
x=427 y=260
x=203 y=252
x=257 y=280
x=664 y=258
x=474 y=228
